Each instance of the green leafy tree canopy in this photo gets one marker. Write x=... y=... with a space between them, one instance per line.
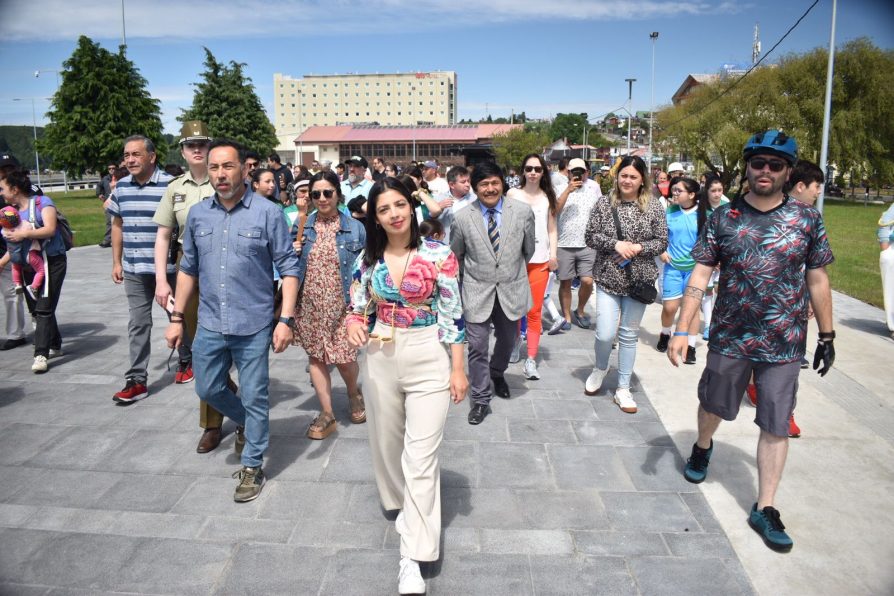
x=102 y=100
x=226 y=101
x=510 y=148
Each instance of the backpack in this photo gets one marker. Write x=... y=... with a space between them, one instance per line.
x=62 y=224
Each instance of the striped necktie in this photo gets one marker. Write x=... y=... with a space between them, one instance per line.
x=493 y=232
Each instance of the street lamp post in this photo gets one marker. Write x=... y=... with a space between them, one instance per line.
x=34 y=128
x=654 y=37
x=630 y=83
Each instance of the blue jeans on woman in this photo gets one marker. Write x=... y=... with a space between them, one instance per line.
x=212 y=355
x=610 y=309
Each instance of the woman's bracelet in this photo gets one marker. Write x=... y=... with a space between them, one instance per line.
x=680 y=334
x=177 y=313
x=177 y=321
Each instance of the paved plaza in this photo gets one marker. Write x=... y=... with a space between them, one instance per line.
x=555 y=493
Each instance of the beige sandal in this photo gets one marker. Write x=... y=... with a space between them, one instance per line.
x=358 y=408
x=322 y=426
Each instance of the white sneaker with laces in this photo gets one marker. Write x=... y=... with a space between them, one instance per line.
x=40 y=364
x=594 y=381
x=409 y=579
x=531 y=372
x=625 y=400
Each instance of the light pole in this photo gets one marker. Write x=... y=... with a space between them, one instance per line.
x=34 y=128
x=630 y=83
x=827 y=109
x=654 y=37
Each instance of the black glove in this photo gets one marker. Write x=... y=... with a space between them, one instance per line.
x=825 y=354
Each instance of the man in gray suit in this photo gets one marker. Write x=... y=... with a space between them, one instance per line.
x=493 y=239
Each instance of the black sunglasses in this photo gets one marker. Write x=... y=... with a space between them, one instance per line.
x=529 y=169
x=759 y=163
x=315 y=194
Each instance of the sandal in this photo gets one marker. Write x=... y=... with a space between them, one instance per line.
x=322 y=426
x=358 y=408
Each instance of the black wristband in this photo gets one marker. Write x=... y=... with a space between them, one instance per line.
x=826 y=335
x=177 y=313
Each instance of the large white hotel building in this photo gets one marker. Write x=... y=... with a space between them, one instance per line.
x=401 y=99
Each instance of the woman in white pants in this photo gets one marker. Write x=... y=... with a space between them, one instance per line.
x=886 y=263
x=405 y=303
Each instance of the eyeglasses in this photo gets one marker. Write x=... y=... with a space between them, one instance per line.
x=536 y=169
x=328 y=193
x=251 y=164
x=679 y=191
x=376 y=336
x=759 y=163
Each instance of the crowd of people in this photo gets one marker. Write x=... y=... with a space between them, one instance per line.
x=419 y=270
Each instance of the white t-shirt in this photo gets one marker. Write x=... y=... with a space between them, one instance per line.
x=438 y=186
x=540 y=207
x=575 y=215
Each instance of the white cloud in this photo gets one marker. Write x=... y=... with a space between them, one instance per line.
x=207 y=19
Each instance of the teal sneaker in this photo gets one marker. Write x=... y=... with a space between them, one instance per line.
x=766 y=522
x=696 y=469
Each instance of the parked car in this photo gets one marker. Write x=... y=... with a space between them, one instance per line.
x=833 y=191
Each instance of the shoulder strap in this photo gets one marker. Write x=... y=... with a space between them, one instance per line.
x=617 y=223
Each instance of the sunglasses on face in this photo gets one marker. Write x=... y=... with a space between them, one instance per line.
x=328 y=193
x=759 y=163
x=536 y=169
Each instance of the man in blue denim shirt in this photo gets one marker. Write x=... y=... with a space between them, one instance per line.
x=231 y=243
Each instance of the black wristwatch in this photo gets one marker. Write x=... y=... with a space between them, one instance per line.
x=287 y=320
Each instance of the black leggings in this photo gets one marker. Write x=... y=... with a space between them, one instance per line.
x=44 y=308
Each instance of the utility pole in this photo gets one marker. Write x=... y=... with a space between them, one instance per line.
x=630 y=83
x=654 y=37
x=827 y=109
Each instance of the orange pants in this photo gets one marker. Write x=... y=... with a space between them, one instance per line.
x=538 y=276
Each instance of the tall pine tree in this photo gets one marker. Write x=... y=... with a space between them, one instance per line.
x=102 y=99
x=226 y=101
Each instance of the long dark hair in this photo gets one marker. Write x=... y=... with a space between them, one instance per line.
x=703 y=203
x=376 y=238
x=546 y=184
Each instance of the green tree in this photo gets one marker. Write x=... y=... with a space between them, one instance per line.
x=226 y=101
x=19 y=140
x=102 y=100
x=569 y=126
x=510 y=148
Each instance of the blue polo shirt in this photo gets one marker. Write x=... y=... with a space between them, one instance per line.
x=135 y=205
x=233 y=254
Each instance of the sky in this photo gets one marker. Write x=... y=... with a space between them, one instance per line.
x=541 y=57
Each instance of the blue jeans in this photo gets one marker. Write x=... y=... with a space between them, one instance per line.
x=609 y=309
x=212 y=355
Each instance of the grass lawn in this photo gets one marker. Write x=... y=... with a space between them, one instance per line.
x=851 y=228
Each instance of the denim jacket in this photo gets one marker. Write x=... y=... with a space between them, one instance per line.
x=350 y=239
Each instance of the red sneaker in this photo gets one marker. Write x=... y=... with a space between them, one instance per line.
x=794 y=431
x=751 y=390
x=184 y=373
x=133 y=391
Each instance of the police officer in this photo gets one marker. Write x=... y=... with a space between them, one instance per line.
x=182 y=193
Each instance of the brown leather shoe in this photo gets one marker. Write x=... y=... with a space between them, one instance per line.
x=209 y=441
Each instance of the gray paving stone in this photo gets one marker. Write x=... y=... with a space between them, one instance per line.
x=511 y=465
x=149 y=451
x=297 y=457
x=600 y=432
x=588 y=466
x=564 y=409
x=363 y=505
x=623 y=544
x=92 y=413
x=349 y=461
x=215 y=496
x=12 y=516
x=482 y=574
x=654 y=433
x=80 y=448
x=700 y=509
x=480 y=508
x=541 y=431
x=173 y=566
x=453 y=540
x=459 y=463
x=23 y=590
x=19 y=442
x=562 y=509
x=581 y=575
x=124 y=523
x=150 y=414
x=649 y=512
x=146 y=492
x=305 y=501
x=531 y=542
x=239 y=529
x=64 y=488
x=336 y=533
x=655 y=469
x=692 y=544
x=689 y=577
x=19 y=545
x=361 y=572
x=459 y=429
x=274 y=569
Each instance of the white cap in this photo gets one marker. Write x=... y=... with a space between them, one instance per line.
x=675 y=167
x=577 y=163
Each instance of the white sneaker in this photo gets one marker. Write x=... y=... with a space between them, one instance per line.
x=515 y=356
x=409 y=579
x=531 y=369
x=594 y=381
x=40 y=364
x=56 y=353
x=625 y=400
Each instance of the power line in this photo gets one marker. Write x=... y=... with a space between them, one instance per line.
x=747 y=72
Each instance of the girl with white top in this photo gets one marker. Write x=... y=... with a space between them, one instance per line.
x=537 y=192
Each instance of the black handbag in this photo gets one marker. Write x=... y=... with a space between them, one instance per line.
x=641 y=291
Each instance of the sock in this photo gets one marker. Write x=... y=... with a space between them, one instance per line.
x=665 y=330
x=692 y=339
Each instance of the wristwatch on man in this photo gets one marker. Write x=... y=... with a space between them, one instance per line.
x=289 y=321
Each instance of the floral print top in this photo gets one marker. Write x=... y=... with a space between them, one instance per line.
x=428 y=294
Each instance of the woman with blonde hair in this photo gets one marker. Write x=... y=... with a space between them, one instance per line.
x=628 y=230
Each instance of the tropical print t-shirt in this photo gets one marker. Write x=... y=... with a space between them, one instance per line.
x=761 y=308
